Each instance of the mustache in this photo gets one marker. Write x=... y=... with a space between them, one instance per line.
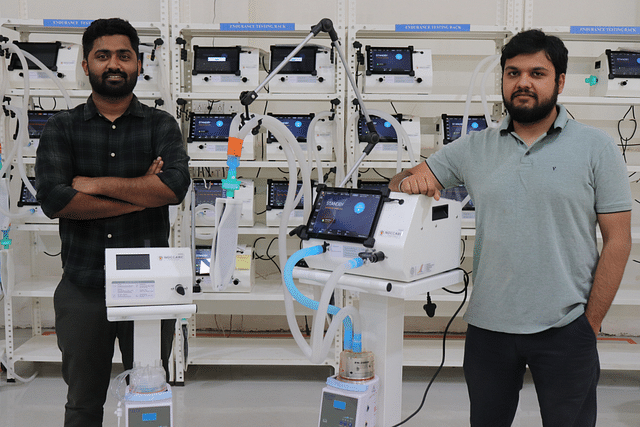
x=114 y=72
x=523 y=92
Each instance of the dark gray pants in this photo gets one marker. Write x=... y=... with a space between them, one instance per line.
x=86 y=339
x=564 y=365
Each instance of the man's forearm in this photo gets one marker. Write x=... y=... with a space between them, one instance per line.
x=609 y=271
x=146 y=191
x=84 y=207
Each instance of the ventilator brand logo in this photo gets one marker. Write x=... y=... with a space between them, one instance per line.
x=391 y=233
x=336 y=203
x=171 y=257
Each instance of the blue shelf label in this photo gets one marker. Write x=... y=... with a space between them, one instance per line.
x=67 y=23
x=255 y=26
x=434 y=28
x=598 y=29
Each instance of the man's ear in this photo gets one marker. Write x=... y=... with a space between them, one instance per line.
x=561 y=80
x=85 y=67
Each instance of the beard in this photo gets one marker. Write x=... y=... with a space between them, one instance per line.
x=115 y=90
x=540 y=110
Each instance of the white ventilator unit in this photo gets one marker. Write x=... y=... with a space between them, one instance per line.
x=311 y=70
x=148 y=276
x=206 y=192
x=387 y=147
x=208 y=138
x=147 y=285
x=276 y=197
x=37 y=120
x=398 y=70
x=301 y=125
x=349 y=403
x=226 y=69
x=616 y=73
x=24 y=205
x=150 y=74
x=450 y=128
x=243 y=277
x=63 y=59
x=418 y=235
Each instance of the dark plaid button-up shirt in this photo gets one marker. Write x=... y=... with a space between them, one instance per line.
x=80 y=142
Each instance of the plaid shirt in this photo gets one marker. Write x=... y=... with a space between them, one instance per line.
x=80 y=142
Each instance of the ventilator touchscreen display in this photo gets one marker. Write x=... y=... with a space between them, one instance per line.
x=210 y=127
x=298 y=125
x=349 y=215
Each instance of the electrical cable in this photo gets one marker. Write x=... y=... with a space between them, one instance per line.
x=444 y=340
x=624 y=142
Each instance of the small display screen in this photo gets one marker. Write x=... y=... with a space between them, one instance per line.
x=345 y=214
x=133 y=262
x=37 y=120
x=385 y=129
x=277 y=194
x=304 y=62
x=208 y=191
x=374 y=185
x=47 y=53
x=297 y=124
x=203 y=260
x=389 y=60
x=216 y=60
x=26 y=197
x=458 y=194
x=210 y=127
x=624 y=64
x=453 y=126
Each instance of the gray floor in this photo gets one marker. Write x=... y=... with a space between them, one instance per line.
x=290 y=396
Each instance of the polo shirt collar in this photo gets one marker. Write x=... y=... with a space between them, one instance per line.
x=561 y=121
x=134 y=109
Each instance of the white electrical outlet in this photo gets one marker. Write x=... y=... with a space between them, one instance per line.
x=232 y=107
x=202 y=107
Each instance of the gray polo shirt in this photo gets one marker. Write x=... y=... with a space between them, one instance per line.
x=536 y=251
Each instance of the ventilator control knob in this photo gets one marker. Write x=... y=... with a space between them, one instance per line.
x=181 y=290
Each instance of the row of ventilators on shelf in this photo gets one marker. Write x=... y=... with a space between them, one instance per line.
x=312 y=70
x=208 y=134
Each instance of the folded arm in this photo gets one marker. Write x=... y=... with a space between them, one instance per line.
x=105 y=197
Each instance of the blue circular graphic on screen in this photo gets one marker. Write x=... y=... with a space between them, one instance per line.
x=358 y=208
x=638 y=60
x=387 y=124
x=219 y=123
x=474 y=125
x=298 y=123
x=399 y=56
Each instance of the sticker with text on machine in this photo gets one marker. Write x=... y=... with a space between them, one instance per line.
x=133 y=290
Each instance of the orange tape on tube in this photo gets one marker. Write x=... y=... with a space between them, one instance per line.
x=234 y=147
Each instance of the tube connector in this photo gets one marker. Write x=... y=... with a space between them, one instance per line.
x=372 y=256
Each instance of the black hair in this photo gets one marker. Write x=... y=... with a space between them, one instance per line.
x=108 y=27
x=534 y=41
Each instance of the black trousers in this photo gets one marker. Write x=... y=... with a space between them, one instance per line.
x=86 y=339
x=564 y=366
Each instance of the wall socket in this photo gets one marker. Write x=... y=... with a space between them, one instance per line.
x=217 y=107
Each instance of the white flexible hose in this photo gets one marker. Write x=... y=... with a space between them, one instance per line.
x=319 y=351
x=467 y=104
x=311 y=142
x=401 y=133
x=483 y=91
x=44 y=68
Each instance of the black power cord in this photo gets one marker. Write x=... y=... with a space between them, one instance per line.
x=444 y=340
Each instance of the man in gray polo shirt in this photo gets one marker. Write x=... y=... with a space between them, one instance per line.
x=541 y=183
